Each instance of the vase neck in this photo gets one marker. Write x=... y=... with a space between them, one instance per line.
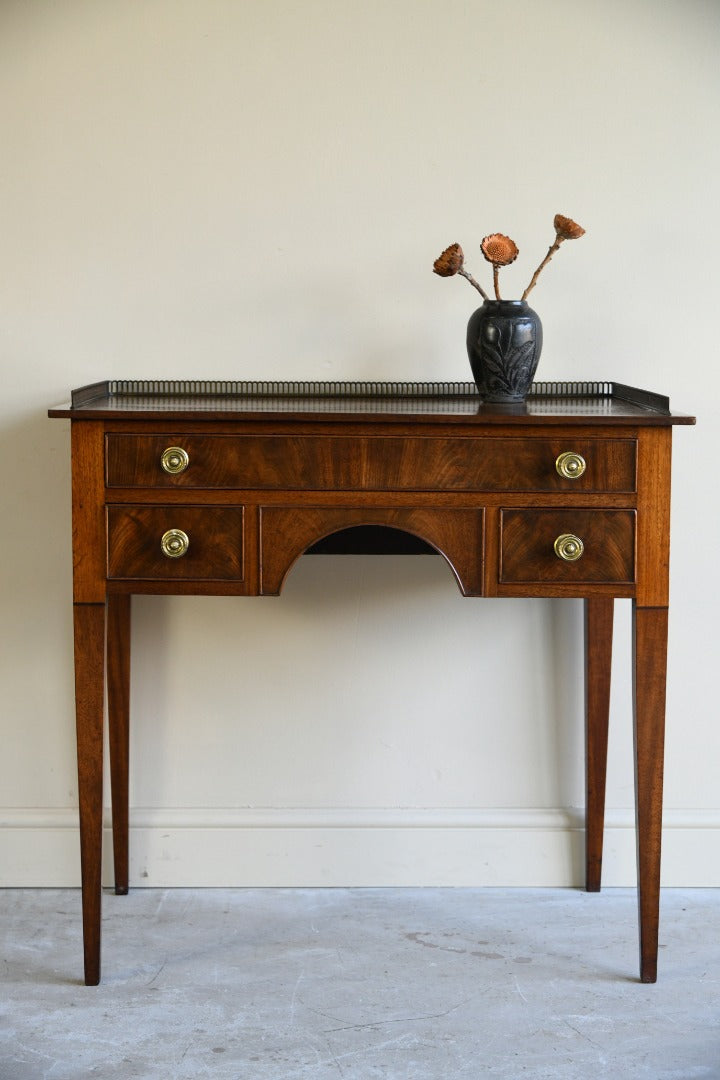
x=508 y=303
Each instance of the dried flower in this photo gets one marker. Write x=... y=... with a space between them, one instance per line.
x=567 y=229
x=450 y=262
x=499 y=250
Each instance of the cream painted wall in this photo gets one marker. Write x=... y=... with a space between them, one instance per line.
x=257 y=189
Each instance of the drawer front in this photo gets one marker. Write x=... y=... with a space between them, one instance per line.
x=541 y=546
x=288 y=531
x=137 y=550
x=382 y=463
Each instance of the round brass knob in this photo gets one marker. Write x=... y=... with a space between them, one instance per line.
x=174 y=543
x=174 y=460
x=568 y=547
x=570 y=465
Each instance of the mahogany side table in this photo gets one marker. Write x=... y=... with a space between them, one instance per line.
x=216 y=488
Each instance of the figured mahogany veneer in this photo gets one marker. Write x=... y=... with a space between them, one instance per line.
x=527 y=546
x=250 y=476
x=286 y=532
x=356 y=463
x=215 y=551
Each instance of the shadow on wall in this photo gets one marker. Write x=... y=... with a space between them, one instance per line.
x=36 y=536
x=369 y=681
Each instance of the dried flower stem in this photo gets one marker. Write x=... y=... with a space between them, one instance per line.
x=468 y=277
x=551 y=251
x=496 y=280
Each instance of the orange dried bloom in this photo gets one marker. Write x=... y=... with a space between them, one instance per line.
x=450 y=262
x=567 y=229
x=499 y=250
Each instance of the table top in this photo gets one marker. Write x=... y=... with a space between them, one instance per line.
x=450 y=402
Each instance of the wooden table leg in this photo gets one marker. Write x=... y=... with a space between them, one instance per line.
x=118 y=692
x=89 y=626
x=650 y=627
x=598 y=660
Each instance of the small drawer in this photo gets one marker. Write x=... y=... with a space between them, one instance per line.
x=177 y=543
x=567 y=546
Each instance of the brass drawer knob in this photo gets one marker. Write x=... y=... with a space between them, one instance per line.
x=568 y=547
x=174 y=543
x=570 y=465
x=174 y=460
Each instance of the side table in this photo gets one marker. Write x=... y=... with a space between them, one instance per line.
x=210 y=488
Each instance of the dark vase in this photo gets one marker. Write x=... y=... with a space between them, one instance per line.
x=504 y=339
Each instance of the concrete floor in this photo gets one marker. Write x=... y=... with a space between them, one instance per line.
x=398 y=984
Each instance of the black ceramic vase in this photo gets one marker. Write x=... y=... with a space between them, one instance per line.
x=504 y=339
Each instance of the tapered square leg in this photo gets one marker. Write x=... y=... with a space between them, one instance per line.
x=650 y=627
x=118 y=692
x=89 y=627
x=598 y=660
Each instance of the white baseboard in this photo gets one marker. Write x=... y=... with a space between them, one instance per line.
x=356 y=847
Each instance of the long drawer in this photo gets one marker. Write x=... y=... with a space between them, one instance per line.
x=383 y=463
x=557 y=546
x=177 y=543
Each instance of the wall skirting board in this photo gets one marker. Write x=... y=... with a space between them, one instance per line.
x=355 y=847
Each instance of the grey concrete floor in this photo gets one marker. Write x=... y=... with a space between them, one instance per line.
x=402 y=984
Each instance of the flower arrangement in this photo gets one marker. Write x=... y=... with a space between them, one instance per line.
x=500 y=250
